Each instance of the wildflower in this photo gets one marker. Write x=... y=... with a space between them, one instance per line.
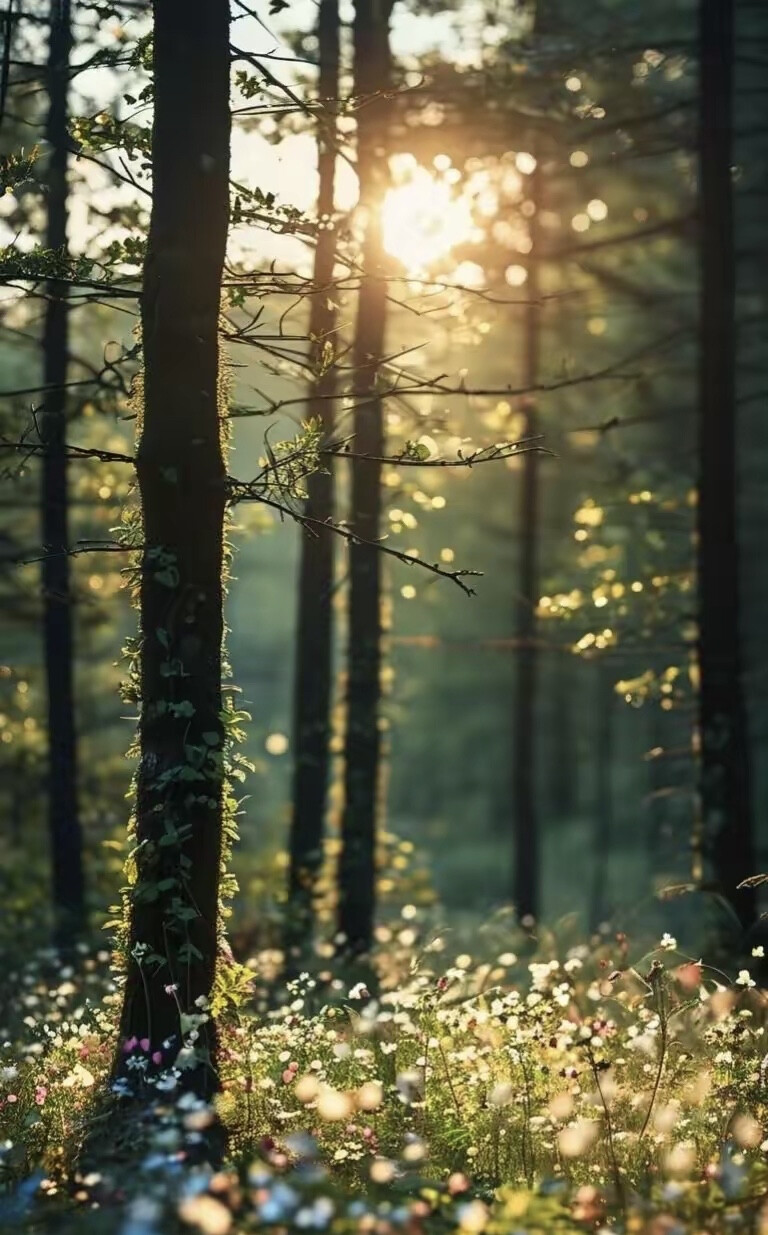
x=41 y=1093
x=501 y=1094
x=167 y=1081
x=306 y=1088
x=746 y=1131
x=333 y=1106
x=744 y=979
x=370 y=1095
x=589 y=1205
x=681 y=1159
x=206 y=1213
x=359 y=991
x=473 y=1216
x=576 y=1139
x=668 y=942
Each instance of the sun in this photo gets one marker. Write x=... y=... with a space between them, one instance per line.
x=423 y=218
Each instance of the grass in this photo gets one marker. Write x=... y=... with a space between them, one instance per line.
x=538 y=1085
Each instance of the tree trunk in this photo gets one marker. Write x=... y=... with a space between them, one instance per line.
x=564 y=782
x=63 y=817
x=313 y=685
x=174 y=900
x=605 y=699
x=725 y=771
x=362 y=740
x=524 y=752
x=657 y=778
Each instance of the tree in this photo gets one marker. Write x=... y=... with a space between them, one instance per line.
x=725 y=763
x=524 y=790
x=603 y=806
x=58 y=636
x=313 y=681
x=180 y=791
x=362 y=738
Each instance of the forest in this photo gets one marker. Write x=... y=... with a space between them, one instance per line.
x=383 y=595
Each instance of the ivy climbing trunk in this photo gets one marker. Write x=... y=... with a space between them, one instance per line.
x=58 y=616
x=362 y=748
x=525 y=888
x=174 y=899
x=313 y=683
x=725 y=766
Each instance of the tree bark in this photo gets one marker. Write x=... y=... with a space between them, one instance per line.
x=725 y=766
x=525 y=890
x=68 y=881
x=362 y=739
x=174 y=901
x=605 y=712
x=313 y=684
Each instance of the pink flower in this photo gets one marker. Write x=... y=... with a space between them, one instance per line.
x=157 y=1057
x=144 y=1044
x=11 y=1098
x=41 y=1093
x=130 y=1044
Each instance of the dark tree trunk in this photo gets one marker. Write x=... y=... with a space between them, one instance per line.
x=180 y=786
x=63 y=817
x=524 y=751
x=313 y=685
x=362 y=741
x=565 y=764
x=657 y=782
x=605 y=713
x=725 y=771
x=564 y=778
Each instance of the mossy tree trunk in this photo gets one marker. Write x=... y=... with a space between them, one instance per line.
x=174 y=901
x=357 y=873
x=313 y=682
x=65 y=833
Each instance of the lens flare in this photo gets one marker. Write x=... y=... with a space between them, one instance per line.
x=423 y=219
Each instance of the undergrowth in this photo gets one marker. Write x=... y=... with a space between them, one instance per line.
x=563 y=1088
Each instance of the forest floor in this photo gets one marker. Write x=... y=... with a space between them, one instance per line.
x=540 y=1087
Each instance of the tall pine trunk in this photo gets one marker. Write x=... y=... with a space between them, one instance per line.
x=525 y=888
x=174 y=901
x=357 y=875
x=565 y=770
x=605 y=716
x=313 y=684
x=64 y=828
x=725 y=769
